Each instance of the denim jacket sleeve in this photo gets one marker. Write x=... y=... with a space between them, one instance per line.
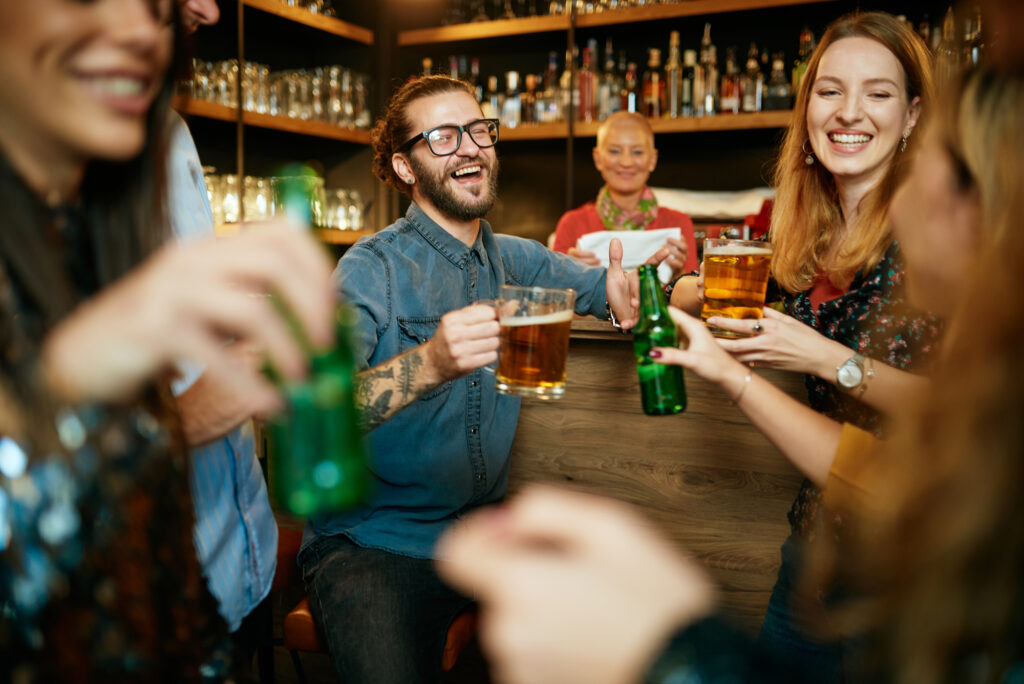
x=363 y=280
x=527 y=262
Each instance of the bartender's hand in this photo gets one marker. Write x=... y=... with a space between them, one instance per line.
x=572 y=588
x=623 y=289
x=585 y=256
x=185 y=302
x=677 y=253
x=465 y=340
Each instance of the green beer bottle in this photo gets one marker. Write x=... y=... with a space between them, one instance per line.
x=317 y=459
x=662 y=391
x=316 y=452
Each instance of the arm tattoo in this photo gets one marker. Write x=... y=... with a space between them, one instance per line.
x=384 y=390
x=410 y=365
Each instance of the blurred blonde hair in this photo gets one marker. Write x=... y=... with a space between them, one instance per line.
x=941 y=563
x=807 y=218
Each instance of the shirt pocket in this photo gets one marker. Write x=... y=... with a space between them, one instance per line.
x=414 y=331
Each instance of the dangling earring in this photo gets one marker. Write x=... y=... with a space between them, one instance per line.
x=903 y=141
x=809 y=159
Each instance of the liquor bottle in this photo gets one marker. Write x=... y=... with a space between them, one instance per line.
x=474 y=78
x=529 y=98
x=549 y=108
x=947 y=56
x=453 y=67
x=709 y=65
x=587 y=79
x=974 y=47
x=662 y=391
x=653 y=86
x=512 y=108
x=924 y=29
x=687 y=84
x=730 y=87
x=673 y=78
x=494 y=100
x=607 y=87
x=569 y=87
x=631 y=90
x=777 y=94
x=803 y=57
x=317 y=461
x=752 y=83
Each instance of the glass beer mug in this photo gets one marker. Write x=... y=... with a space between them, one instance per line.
x=317 y=459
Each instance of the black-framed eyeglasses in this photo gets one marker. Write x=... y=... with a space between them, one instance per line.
x=444 y=140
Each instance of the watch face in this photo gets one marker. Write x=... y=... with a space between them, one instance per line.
x=849 y=375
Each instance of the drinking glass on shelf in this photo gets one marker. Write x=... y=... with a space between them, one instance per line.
x=214 y=193
x=337 y=209
x=355 y=210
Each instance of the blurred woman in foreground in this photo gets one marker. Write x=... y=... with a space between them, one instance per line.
x=99 y=579
x=575 y=589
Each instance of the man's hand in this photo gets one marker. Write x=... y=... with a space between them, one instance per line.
x=465 y=340
x=584 y=256
x=623 y=289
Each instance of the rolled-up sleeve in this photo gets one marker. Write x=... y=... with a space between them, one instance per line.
x=527 y=262
x=852 y=480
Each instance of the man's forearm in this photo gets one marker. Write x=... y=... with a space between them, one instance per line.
x=210 y=411
x=384 y=390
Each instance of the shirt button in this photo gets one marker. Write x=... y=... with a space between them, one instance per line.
x=479 y=478
x=473 y=430
x=473 y=383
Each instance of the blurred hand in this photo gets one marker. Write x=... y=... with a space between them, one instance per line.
x=623 y=289
x=466 y=339
x=700 y=283
x=784 y=343
x=572 y=588
x=586 y=256
x=677 y=253
x=186 y=302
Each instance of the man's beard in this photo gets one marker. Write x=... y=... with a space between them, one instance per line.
x=435 y=188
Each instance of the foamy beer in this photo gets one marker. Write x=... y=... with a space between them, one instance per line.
x=735 y=280
x=535 y=324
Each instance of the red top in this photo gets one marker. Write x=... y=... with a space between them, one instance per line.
x=823 y=291
x=585 y=220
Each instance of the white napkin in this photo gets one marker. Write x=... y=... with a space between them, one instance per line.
x=637 y=246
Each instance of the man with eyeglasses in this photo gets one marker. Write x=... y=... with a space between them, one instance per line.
x=439 y=432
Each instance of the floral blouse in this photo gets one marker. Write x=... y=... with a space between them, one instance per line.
x=875 y=319
x=99 y=578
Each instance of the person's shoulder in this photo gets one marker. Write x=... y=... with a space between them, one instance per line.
x=669 y=216
x=581 y=212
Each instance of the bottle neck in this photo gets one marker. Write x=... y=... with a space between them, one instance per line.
x=652 y=298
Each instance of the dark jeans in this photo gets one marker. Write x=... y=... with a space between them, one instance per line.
x=384 y=617
x=786 y=632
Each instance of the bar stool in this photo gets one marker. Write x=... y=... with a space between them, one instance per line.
x=300 y=634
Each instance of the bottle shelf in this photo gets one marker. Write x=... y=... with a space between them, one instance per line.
x=317 y=21
x=514 y=27
x=340 y=237
x=319 y=129
x=483 y=29
x=718 y=122
x=688 y=8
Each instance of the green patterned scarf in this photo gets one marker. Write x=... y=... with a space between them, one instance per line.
x=615 y=218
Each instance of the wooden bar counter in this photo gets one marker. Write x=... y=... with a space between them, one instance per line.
x=707 y=477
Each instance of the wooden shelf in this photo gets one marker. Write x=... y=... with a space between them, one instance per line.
x=688 y=8
x=483 y=29
x=319 y=129
x=560 y=22
x=211 y=110
x=340 y=237
x=719 y=122
x=317 y=21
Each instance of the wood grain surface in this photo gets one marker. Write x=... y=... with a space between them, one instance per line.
x=707 y=477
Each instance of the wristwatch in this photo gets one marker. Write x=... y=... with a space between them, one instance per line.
x=850 y=373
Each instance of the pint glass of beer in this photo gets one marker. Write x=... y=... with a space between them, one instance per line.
x=535 y=324
x=735 y=280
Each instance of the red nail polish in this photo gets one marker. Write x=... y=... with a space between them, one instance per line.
x=654 y=354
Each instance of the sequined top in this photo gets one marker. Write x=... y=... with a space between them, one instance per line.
x=874 y=318
x=99 y=579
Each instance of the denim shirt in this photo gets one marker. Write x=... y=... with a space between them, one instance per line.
x=235 y=531
x=447 y=452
